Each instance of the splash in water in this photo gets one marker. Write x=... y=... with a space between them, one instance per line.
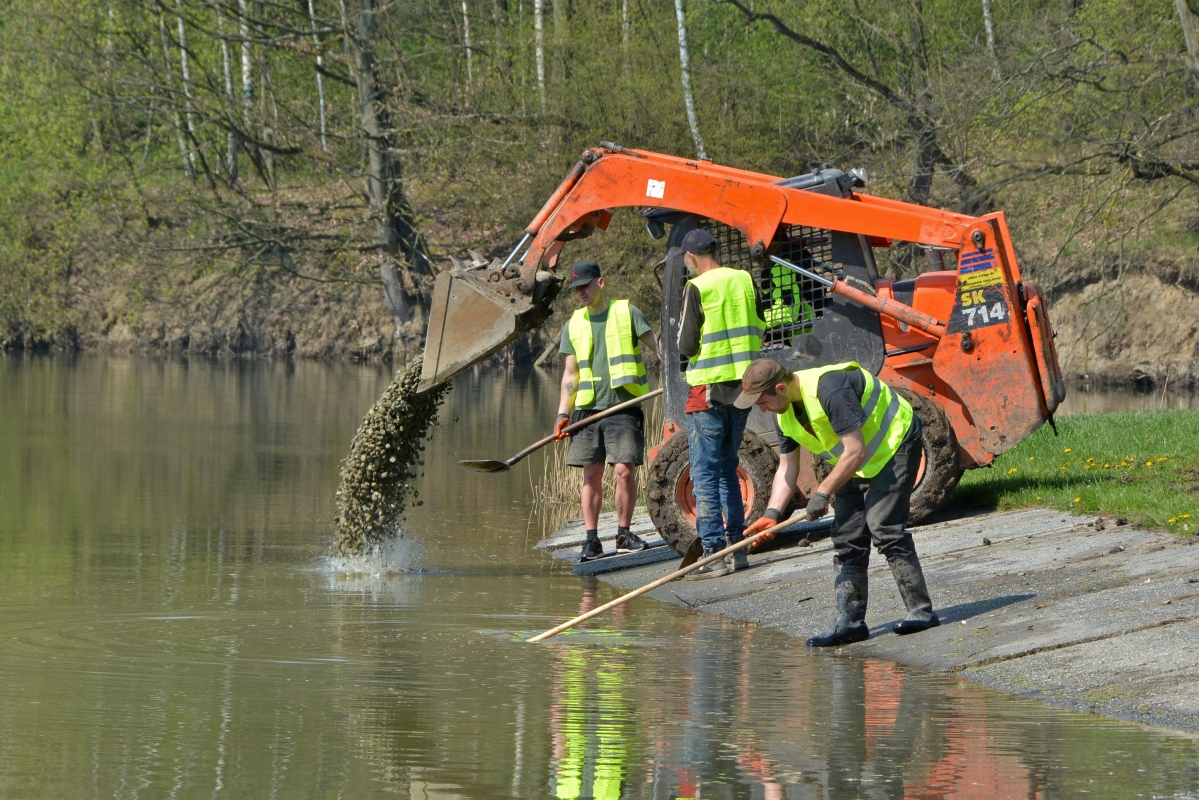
x=385 y=456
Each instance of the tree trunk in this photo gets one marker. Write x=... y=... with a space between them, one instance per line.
x=396 y=236
x=166 y=60
x=187 y=86
x=989 y=24
x=627 y=69
x=320 y=83
x=231 y=148
x=470 y=76
x=1190 y=34
x=559 y=76
x=539 y=48
x=685 y=64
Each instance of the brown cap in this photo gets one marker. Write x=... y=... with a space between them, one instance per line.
x=761 y=376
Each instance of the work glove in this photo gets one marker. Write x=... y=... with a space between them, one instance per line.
x=559 y=433
x=759 y=526
x=817 y=505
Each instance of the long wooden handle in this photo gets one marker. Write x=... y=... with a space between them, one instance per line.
x=649 y=587
x=583 y=423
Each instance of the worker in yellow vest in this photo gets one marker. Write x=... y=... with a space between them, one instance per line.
x=720 y=334
x=602 y=344
x=869 y=434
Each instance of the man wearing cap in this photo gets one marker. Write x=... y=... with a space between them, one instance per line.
x=720 y=333
x=870 y=435
x=602 y=343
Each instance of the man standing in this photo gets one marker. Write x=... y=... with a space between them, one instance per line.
x=602 y=342
x=868 y=432
x=720 y=334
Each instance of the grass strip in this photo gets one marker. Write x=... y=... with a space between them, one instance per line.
x=1141 y=465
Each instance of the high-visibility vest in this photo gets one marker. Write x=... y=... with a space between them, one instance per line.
x=888 y=418
x=625 y=368
x=732 y=332
x=783 y=309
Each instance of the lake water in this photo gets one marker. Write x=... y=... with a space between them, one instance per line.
x=171 y=627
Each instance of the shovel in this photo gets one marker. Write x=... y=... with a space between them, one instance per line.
x=503 y=466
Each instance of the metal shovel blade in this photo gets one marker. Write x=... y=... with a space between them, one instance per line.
x=472 y=316
x=484 y=465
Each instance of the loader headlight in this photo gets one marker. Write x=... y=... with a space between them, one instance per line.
x=860 y=181
x=655 y=229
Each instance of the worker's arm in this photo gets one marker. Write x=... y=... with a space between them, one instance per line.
x=691 y=323
x=650 y=341
x=566 y=394
x=784 y=484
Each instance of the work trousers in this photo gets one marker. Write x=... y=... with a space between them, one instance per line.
x=877 y=509
x=714 y=438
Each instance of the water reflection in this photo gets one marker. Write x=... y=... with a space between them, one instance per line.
x=169 y=628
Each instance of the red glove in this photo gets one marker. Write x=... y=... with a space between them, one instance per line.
x=559 y=433
x=760 y=525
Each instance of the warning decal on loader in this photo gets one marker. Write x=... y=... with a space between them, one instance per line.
x=981 y=301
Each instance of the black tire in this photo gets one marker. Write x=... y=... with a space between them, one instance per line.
x=671 y=469
x=940 y=470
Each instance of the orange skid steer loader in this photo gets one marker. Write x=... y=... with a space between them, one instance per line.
x=971 y=348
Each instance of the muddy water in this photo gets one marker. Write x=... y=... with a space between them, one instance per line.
x=170 y=626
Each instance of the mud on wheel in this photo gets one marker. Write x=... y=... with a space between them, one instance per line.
x=670 y=498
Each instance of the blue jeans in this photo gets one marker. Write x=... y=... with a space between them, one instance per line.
x=714 y=437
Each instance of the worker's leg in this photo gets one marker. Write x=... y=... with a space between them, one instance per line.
x=888 y=506
x=730 y=488
x=593 y=494
x=705 y=433
x=851 y=557
x=626 y=493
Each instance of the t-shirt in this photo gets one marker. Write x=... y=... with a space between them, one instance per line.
x=840 y=395
x=724 y=393
x=605 y=395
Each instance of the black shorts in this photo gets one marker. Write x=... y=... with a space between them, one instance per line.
x=618 y=439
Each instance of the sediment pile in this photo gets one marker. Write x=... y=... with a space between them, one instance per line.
x=385 y=455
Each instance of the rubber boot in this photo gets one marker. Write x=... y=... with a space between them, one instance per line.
x=737 y=560
x=909 y=577
x=851 y=587
x=716 y=569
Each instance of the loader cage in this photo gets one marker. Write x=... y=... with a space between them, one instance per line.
x=794 y=301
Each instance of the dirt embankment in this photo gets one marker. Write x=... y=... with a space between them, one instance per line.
x=1136 y=328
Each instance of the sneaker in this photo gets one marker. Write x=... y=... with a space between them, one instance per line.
x=630 y=543
x=716 y=569
x=592 y=549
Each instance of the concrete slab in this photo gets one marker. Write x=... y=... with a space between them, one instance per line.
x=1091 y=616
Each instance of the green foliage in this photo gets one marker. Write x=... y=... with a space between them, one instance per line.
x=1143 y=466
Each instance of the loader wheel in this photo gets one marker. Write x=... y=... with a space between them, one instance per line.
x=670 y=498
x=939 y=470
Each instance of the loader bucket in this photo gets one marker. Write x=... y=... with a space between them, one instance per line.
x=474 y=313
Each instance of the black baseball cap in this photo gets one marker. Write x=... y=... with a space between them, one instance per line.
x=584 y=273
x=761 y=376
x=697 y=241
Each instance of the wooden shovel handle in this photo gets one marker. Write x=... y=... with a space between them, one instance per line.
x=583 y=423
x=649 y=587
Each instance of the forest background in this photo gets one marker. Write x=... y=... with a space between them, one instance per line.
x=286 y=177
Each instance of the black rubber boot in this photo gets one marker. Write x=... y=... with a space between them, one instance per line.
x=909 y=577
x=737 y=560
x=849 y=626
x=716 y=569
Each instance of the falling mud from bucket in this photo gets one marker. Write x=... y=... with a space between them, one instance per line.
x=385 y=456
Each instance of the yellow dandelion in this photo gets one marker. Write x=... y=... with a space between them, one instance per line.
x=1183 y=516
x=1068 y=450
x=1076 y=499
x=1013 y=469
x=1172 y=520
x=1149 y=463
x=1032 y=458
x=1038 y=499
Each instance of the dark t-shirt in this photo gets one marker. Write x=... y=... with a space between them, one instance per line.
x=605 y=395
x=840 y=395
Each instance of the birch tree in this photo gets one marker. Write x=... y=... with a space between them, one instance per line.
x=1190 y=34
x=685 y=68
x=989 y=26
x=539 y=48
x=320 y=79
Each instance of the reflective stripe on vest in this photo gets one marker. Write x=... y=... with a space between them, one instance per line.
x=732 y=332
x=626 y=370
x=888 y=418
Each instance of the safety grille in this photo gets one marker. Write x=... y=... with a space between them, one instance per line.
x=794 y=302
